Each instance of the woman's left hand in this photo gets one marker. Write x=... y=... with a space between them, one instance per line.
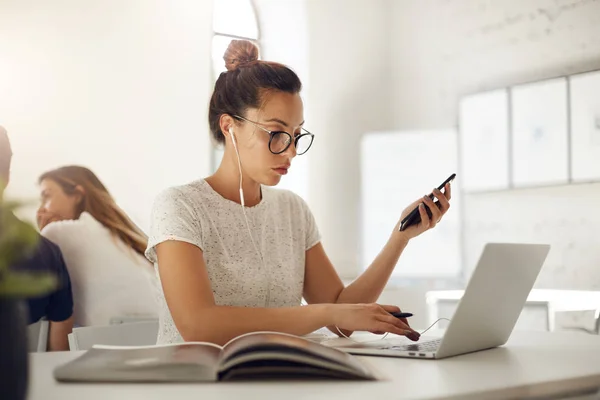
x=437 y=213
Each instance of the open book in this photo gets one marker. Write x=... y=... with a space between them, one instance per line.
x=259 y=355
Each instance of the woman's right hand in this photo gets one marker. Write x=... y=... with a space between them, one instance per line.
x=373 y=318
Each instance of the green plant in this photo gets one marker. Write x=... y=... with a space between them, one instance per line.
x=17 y=240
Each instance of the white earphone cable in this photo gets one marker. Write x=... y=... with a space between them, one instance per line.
x=242 y=202
x=387 y=333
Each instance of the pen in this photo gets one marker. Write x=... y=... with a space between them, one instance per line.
x=401 y=314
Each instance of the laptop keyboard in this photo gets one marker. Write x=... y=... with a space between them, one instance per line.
x=428 y=346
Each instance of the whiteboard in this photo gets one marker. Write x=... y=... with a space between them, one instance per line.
x=483 y=122
x=398 y=168
x=585 y=127
x=539 y=133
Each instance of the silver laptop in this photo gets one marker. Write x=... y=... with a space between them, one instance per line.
x=487 y=312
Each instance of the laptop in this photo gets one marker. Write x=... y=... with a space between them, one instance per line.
x=487 y=312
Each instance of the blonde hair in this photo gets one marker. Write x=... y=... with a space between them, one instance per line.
x=99 y=203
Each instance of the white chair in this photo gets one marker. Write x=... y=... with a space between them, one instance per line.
x=579 y=320
x=127 y=319
x=127 y=334
x=37 y=336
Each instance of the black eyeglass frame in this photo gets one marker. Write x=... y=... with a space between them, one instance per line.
x=272 y=134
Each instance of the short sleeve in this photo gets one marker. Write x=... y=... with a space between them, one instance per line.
x=312 y=234
x=173 y=218
x=60 y=306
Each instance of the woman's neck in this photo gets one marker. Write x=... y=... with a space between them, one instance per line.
x=226 y=182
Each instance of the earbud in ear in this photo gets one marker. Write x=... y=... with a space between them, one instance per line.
x=232 y=136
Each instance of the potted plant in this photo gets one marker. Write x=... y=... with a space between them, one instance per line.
x=17 y=240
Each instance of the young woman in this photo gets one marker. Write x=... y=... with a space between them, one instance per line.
x=234 y=255
x=102 y=247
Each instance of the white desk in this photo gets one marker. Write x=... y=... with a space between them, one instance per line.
x=532 y=363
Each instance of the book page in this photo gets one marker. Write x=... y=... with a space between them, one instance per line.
x=184 y=362
x=268 y=353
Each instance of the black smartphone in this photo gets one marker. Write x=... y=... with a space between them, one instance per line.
x=414 y=217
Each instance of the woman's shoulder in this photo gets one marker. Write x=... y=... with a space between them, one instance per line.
x=189 y=192
x=185 y=202
x=70 y=233
x=69 y=226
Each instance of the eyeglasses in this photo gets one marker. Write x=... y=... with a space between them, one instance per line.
x=280 y=141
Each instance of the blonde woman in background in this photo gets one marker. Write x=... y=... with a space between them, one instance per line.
x=102 y=247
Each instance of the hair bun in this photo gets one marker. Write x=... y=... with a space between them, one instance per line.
x=240 y=53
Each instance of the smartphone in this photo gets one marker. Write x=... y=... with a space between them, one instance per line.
x=414 y=217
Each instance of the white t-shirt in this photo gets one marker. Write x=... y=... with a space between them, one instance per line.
x=108 y=278
x=282 y=227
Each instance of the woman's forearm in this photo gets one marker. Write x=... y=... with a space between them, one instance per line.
x=219 y=324
x=58 y=335
x=368 y=286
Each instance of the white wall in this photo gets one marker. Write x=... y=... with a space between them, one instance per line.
x=349 y=95
x=444 y=49
x=120 y=87
x=284 y=39
x=403 y=65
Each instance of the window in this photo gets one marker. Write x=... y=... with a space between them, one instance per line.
x=397 y=168
x=232 y=19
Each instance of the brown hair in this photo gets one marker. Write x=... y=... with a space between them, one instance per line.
x=99 y=203
x=245 y=83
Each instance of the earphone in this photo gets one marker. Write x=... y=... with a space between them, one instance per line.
x=239 y=166
x=231 y=134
